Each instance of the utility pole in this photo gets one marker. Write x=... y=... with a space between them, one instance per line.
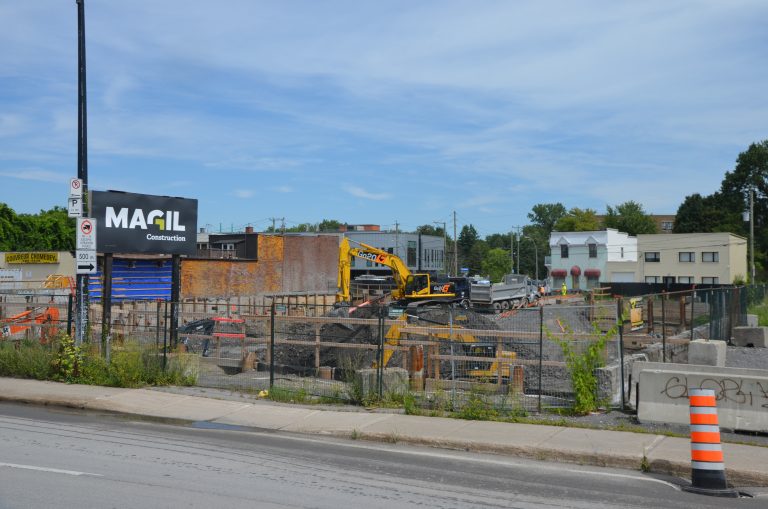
x=445 y=244
x=397 y=239
x=455 y=248
x=752 y=235
x=512 y=249
x=274 y=227
x=81 y=320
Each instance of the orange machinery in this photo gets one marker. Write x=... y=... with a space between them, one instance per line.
x=47 y=318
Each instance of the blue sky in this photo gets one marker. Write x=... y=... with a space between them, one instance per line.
x=383 y=112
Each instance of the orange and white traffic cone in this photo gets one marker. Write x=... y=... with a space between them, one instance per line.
x=707 y=465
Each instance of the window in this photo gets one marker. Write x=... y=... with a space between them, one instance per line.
x=666 y=226
x=686 y=256
x=710 y=280
x=592 y=250
x=563 y=251
x=652 y=256
x=710 y=256
x=412 y=253
x=622 y=251
x=652 y=279
x=688 y=280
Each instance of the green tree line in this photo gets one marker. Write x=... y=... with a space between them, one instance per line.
x=49 y=230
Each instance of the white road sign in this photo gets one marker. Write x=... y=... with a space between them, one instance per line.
x=75 y=188
x=75 y=206
x=86 y=234
x=85 y=262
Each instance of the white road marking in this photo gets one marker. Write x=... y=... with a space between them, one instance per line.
x=52 y=470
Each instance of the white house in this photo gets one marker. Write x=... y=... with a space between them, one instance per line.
x=581 y=259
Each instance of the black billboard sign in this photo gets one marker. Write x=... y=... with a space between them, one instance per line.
x=143 y=223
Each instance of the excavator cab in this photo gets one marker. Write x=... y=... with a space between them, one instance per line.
x=421 y=286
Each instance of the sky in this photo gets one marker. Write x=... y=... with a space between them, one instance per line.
x=389 y=112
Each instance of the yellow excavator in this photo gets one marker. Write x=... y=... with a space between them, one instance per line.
x=420 y=291
x=409 y=287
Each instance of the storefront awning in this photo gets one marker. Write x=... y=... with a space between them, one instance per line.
x=576 y=271
x=558 y=273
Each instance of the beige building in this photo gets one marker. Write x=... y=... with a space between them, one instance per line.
x=36 y=269
x=692 y=258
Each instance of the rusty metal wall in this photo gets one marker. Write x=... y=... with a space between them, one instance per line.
x=311 y=263
x=285 y=264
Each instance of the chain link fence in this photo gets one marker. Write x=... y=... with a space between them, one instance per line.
x=436 y=359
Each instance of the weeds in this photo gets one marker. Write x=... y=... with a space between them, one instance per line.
x=582 y=367
x=62 y=360
x=477 y=408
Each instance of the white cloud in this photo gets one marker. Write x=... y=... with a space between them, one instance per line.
x=284 y=189
x=243 y=193
x=359 y=192
x=36 y=174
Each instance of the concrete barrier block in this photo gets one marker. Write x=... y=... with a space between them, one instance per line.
x=751 y=336
x=394 y=381
x=707 y=353
x=742 y=396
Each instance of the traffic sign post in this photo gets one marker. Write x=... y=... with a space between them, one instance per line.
x=75 y=206
x=75 y=188
x=86 y=234
x=85 y=262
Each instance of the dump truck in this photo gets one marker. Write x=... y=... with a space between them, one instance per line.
x=514 y=291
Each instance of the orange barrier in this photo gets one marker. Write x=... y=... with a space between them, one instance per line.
x=707 y=464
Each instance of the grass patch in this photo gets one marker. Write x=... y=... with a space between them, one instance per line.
x=761 y=310
x=283 y=395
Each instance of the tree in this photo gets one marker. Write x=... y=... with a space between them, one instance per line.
x=467 y=239
x=475 y=257
x=629 y=217
x=700 y=214
x=49 y=230
x=496 y=263
x=578 y=220
x=428 y=229
x=329 y=225
x=546 y=215
x=498 y=241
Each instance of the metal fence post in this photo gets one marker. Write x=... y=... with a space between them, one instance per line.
x=664 y=327
x=620 y=323
x=165 y=335
x=69 y=315
x=380 y=361
x=693 y=315
x=272 y=345
x=157 y=326
x=541 y=351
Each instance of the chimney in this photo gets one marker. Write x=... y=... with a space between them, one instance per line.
x=249 y=229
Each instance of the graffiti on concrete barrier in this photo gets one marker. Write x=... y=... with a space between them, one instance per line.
x=730 y=390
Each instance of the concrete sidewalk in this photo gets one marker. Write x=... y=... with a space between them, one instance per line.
x=746 y=465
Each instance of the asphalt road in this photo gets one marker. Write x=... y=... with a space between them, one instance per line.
x=65 y=458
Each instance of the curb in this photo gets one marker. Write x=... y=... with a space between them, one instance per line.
x=737 y=477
